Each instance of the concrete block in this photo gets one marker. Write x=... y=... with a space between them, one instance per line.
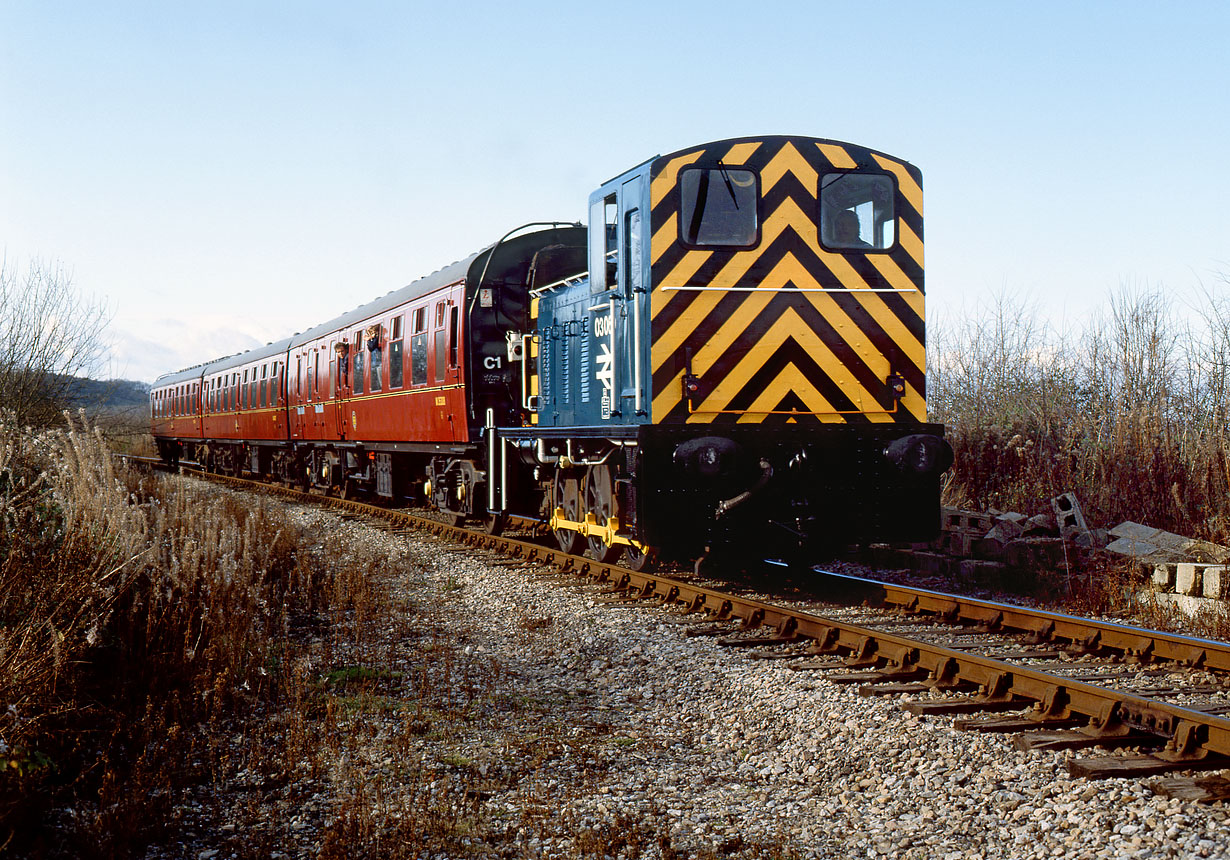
x=1069 y=518
x=1006 y=530
x=1180 y=548
x=961 y=543
x=1187 y=578
x=955 y=519
x=1134 y=531
x=934 y=563
x=1039 y=553
x=1215 y=583
x=1163 y=577
x=1188 y=605
x=1143 y=550
x=1092 y=539
x=1012 y=517
x=988 y=574
x=989 y=548
x=1041 y=525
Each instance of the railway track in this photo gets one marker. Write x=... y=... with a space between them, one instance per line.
x=1157 y=700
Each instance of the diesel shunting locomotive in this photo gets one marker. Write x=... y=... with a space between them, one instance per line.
x=730 y=356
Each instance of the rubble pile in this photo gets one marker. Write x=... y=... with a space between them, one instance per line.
x=1010 y=551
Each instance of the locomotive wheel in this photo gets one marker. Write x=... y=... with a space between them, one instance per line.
x=453 y=518
x=493 y=524
x=567 y=495
x=640 y=560
x=600 y=496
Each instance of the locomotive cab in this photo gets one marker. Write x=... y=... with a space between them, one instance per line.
x=744 y=365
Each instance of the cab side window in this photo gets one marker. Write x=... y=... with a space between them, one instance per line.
x=603 y=243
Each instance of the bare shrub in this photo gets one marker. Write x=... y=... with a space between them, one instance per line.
x=1128 y=413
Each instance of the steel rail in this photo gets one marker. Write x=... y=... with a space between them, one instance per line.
x=1040 y=624
x=1191 y=738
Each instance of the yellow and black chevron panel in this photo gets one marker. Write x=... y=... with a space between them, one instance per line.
x=786 y=327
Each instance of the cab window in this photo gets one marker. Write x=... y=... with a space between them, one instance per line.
x=857 y=211
x=603 y=223
x=719 y=207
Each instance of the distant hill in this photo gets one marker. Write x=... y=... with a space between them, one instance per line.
x=109 y=395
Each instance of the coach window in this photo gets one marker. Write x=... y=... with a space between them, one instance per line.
x=358 y=362
x=273 y=383
x=857 y=212
x=264 y=401
x=719 y=207
x=252 y=391
x=418 y=348
x=396 y=367
x=453 y=333
x=375 y=358
x=441 y=343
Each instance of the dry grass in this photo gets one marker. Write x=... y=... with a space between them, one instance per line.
x=1129 y=413
x=136 y=613
x=181 y=670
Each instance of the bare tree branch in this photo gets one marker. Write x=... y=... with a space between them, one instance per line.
x=49 y=335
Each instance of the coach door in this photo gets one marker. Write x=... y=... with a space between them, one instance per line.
x=296 y=389
x=448 y=407
x=339 y=349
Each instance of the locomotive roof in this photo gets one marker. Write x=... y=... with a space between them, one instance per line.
x=768 y=138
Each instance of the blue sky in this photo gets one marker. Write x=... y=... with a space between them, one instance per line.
x=224 y=174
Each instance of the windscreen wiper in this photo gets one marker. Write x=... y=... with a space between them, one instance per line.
x=729 y=185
